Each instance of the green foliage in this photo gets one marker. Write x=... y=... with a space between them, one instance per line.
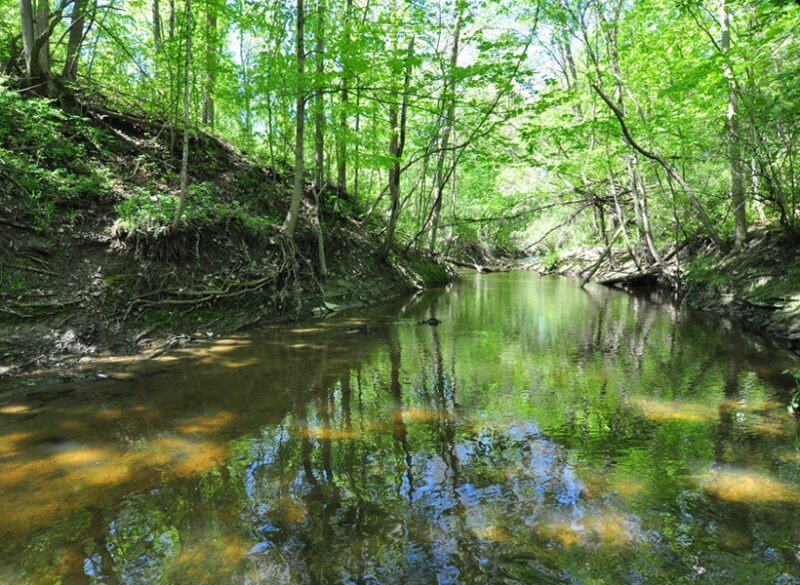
x=703 y=269
x=148 y=211
x=528 y=132
x=145 y=211
x=41 y=209
x=430 y=271
x=44 y=152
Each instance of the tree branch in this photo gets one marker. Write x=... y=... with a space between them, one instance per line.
x=654 y=156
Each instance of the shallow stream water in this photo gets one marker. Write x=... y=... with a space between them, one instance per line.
x=540 y=434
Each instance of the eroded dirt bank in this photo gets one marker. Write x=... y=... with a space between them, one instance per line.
x=90 y=264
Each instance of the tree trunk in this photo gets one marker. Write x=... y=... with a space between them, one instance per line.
x=290 y=223
x=396 y=147
x=655 y=156
x=185 y=153
x=171 y=19
x=357 y=129
x=36 y=28
x=28 y=38
x=732 y=127
x=621 y=219
x=640 y=200
x=43 y=37
x=342 y=138
x=244 y=56
x=157 y=40
x=449 y=103
x=211 y=63
x=394 y=176
x=319 y=133
x=74 y=40
x=319 y=100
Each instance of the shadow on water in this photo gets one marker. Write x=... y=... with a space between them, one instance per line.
x=537 y=434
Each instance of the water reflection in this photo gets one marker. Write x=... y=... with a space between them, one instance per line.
x=538 y=434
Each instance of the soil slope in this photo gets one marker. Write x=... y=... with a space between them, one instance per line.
x=90 y=264
x=759 y=284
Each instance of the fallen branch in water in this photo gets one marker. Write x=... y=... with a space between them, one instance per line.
x=602 y=257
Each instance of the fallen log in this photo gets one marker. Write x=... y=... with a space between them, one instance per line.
x=480 y=267
x=635 y=279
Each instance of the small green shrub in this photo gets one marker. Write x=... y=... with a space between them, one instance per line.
x=702 y=270
x=145 y=210
x=431 y=273
x=41 y=209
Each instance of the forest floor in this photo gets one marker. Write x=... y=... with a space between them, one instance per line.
x=757 y=285
x=78 y=282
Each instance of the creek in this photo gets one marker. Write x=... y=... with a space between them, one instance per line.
x=539 y=434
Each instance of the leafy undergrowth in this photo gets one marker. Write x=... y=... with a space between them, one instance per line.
x=90 y=261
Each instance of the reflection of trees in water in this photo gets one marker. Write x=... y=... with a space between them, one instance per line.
x=485 y=450
x=413 y=500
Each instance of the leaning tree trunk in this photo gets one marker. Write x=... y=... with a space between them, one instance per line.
x=444 y=149
x=657 y=157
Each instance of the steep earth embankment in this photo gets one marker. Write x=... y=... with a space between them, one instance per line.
x=90 y=264
x=759 y=284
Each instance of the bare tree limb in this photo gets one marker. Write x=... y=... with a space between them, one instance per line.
x=654 y=156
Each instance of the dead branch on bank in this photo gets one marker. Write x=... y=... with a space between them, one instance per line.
x=602 y=257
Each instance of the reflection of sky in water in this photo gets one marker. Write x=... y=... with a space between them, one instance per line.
x=526 y=482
